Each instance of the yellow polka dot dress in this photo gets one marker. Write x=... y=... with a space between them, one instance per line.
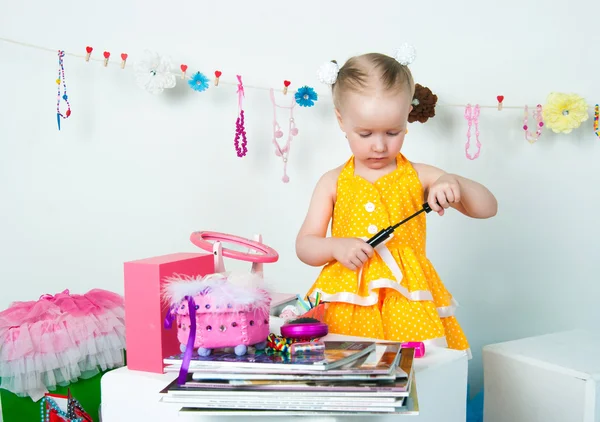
x=397 y=295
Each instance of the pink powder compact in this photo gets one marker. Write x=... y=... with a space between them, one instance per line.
x=217 y=311
x=304 y=328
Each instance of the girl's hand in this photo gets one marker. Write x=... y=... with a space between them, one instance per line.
x=443 y=192
x=352 y=253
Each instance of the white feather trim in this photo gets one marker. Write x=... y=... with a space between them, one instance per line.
x=237 y=289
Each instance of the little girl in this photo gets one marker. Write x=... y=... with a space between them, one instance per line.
x=391 y=292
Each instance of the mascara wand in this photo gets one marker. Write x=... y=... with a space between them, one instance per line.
x=384 y=234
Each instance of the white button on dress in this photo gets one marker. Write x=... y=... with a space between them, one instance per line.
x=372 y=229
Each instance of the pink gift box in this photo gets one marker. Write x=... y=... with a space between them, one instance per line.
x=148 y=342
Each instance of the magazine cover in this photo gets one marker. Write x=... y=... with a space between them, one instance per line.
x=378 y=365
x=336 y=354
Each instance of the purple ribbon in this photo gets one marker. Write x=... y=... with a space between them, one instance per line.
x=189 y=348
x=170 y=317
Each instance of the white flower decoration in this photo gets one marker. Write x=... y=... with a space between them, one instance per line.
x=405 y=54
x=153 y=73
x=328 y=73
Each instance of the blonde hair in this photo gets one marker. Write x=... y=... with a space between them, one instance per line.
x=359 y=72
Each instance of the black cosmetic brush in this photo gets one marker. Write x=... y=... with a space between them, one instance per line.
x=384 y=234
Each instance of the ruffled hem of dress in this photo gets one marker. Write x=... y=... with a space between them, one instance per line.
x=373 y=297
x=36 y=374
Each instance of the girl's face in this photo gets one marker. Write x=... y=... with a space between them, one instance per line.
x=375 y=125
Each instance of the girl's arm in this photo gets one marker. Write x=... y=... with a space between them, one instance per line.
x=312 y=245
x=465 y=195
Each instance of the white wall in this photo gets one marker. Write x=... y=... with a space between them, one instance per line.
x=131 y=175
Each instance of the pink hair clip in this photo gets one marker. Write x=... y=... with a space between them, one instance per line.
x=472 y=116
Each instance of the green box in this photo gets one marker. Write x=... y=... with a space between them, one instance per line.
x=86 y=391
x=23 y=409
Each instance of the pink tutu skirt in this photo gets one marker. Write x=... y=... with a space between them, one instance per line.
x=60 y=339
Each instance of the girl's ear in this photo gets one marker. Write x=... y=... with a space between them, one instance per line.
x=339 y=119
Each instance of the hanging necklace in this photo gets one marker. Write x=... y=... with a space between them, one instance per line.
x=284 y=151
x=240 y=128
x=472 y=116
x=61 y=78
x=596 y=115
x=537 y=114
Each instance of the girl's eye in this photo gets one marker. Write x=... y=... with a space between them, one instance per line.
x=364 y=135
x=393 y=134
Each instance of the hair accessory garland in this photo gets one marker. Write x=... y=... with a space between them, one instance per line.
x=199 y=82
x=64 y=96
x=423 y=104
x=284 y=151
x=405 y=54
x=596 y=115
x=240 y=130
x=88 y=53
x=306 y=96
x=538 y=115
x=472 y=116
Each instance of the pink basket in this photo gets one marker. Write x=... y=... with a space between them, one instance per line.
x=226 y=314
x=222 y=327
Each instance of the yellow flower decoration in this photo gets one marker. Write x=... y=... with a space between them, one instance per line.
x=564 y=112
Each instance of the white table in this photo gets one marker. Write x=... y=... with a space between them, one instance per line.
x=549 y=378
x=441 y=380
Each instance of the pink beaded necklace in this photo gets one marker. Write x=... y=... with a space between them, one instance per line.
x=284 y=151
x=240 y=128
x=472 y=116
x=540 y=124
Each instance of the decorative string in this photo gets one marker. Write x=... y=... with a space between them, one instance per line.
x=114 y=63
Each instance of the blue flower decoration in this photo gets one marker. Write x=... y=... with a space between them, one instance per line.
x=306 y=96
x=199 y=82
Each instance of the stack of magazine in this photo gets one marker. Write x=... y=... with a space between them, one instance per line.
x=347 y=377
